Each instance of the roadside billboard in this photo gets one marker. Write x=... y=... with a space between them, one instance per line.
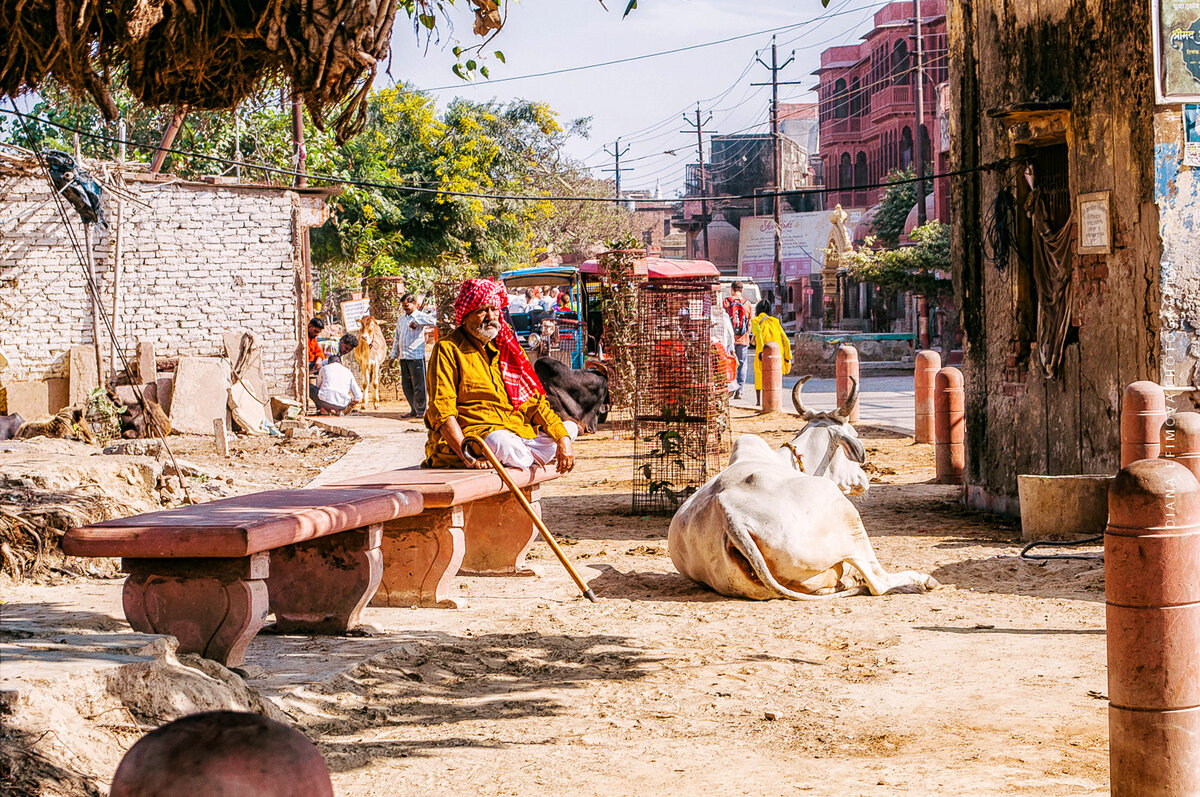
x=804 y=238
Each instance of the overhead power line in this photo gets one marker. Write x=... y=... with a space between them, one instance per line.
x=660 y=53
x=333 y=180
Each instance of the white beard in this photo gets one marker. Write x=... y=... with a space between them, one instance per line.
x=485 y=332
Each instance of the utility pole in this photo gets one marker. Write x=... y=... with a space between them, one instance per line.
x=300 y=152
x=703 y=180
x=775 y=68
x=617 y=152
x=919 y=94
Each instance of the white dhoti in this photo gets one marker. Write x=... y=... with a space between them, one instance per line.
x=515 y=451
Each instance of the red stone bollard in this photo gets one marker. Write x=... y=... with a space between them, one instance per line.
x=1181 y=440
x=1152 y=589
x=846 y=368
x=928 y=364
x=772 y=378
x=949 y=426
x=1143 y=410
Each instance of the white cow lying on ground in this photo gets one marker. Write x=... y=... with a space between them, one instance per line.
x=764 y=529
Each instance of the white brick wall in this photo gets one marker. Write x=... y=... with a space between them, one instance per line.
x=200 y=260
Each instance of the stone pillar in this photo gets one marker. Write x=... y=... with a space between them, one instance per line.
x=928 y=364
x=772 y=378
x=1152 y=590
x=949 y=420
x=1181 y=440
x=845 y=370
x=1143 y=410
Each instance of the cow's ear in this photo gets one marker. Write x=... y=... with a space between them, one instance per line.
x=853 y=447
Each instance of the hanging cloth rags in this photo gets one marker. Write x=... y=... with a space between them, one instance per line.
x=1053 y=262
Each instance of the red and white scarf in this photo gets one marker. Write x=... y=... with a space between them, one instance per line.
x=520 y=382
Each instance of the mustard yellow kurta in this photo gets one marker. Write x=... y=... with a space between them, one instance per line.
x=465 y=382
x=767 y=329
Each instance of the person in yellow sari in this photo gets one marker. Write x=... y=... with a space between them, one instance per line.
x=767 y=329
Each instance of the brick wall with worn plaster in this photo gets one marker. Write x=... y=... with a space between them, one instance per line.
x=197 y=260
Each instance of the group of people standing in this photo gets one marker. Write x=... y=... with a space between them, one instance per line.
x=336 y=391
x=548 y=301
x=755 y=324
x=480 y=383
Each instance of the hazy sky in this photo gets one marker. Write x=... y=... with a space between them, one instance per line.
x=642 y=101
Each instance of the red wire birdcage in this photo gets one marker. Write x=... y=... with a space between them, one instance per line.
x=681 y=405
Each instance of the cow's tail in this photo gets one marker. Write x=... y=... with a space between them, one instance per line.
x=746 y=546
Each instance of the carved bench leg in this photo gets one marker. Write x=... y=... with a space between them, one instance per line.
x=421 y=556
x=214 y=607
x=499 y=534
x=321 y=586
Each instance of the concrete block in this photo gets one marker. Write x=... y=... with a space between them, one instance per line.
x=58 y=395
x=200 y=394
x=31 y=399
x=147 y=371
x=83 y=376
x=165 y=389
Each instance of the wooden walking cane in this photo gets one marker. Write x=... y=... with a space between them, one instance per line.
x=533 y=515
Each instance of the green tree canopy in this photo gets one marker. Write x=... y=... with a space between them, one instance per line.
x=489 y=148
x=911 y=269
x=898 y=201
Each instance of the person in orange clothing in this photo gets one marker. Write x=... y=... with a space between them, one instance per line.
x=316 y=355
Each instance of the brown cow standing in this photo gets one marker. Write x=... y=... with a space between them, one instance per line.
x=370 y=354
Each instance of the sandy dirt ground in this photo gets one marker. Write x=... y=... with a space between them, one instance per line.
x=994 y=684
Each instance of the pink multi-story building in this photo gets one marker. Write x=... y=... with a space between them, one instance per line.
x=867 y=109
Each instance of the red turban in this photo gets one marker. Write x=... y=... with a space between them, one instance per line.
x=520 y=382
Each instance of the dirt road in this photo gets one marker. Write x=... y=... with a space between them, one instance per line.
x=993 y=684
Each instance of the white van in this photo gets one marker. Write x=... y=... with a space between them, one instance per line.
x=749 y=289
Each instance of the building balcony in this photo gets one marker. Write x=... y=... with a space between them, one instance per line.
x=891 y=99
x=840 y=130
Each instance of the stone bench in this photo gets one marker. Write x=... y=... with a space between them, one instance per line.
x=471 y=525
x=209 y=574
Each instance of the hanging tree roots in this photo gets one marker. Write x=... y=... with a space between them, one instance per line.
x=209 y=54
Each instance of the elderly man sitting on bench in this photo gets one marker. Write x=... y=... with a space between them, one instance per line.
x=482 y=384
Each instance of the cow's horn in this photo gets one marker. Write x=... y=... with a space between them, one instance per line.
x=804 y=412
x=844 y=411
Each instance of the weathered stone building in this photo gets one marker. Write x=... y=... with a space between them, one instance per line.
x=1057 y=320
x=197 y=259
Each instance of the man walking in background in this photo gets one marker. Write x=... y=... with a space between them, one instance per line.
x=737 y=307
x=409 y=348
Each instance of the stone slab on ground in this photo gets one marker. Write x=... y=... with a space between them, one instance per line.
x=35 y=399
x=200 y=395
x=82 y=373
x=164 y=391
x=147 y=369
x=252 y=370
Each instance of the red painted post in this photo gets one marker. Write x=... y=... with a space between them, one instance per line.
x=1152 y=590
x=1181 y=440
x=845 y=369
x=949 y=426
x=1143 y=410
x=928 y=364
x=772 y=378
